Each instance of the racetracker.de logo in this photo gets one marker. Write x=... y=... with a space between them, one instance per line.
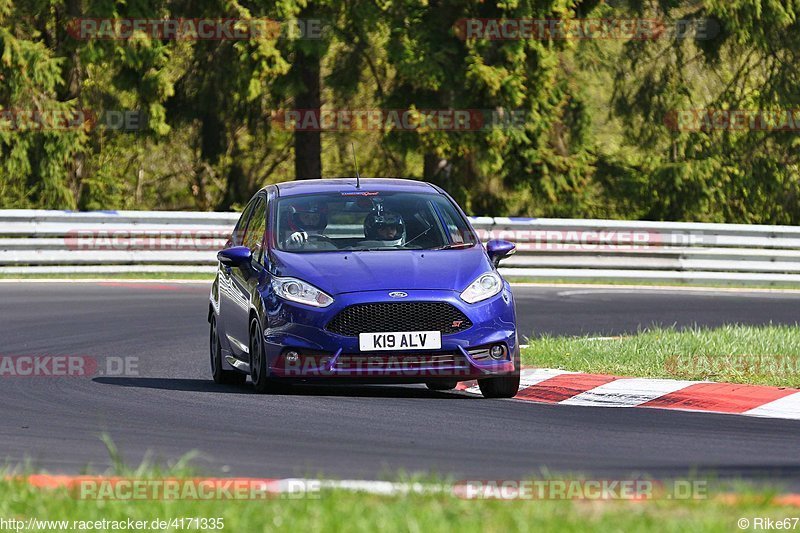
x=416 y=366
x=397 y=119
x=194 y=29
x=194 y=489
x=787 y=366
x=71 y=120
x=635 y=29
x=151 y=239
x=581 y=489
x=579 y=240
x=54 y=366
x=783 y=120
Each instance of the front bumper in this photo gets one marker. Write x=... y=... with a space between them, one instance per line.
x=325 y=355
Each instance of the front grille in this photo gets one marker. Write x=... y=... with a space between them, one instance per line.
x=399 y=316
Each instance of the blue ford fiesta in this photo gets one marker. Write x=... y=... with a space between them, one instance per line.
x=378 y=281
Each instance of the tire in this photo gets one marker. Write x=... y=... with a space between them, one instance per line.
x=220 y=375
x=258 y=362
x=500 y=387
x=441 y=385
x=259 y=373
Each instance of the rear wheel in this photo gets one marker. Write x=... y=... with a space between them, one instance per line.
x=441 y=385
x=220 y=375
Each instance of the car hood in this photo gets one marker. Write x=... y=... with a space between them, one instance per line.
x=340 y=272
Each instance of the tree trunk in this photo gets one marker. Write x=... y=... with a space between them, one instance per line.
x=435 y=169
x=307 y=144
x=72 y=73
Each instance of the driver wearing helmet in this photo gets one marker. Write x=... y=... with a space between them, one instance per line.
x=385 y=226
x=307 y=218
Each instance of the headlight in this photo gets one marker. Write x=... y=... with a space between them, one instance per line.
x=486 y=286
x=299 y=291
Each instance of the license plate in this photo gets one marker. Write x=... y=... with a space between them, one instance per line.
x=400 y=340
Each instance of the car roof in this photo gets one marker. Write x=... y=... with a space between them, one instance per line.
x=292 y=188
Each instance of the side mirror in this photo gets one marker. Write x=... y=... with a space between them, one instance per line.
x=499 y=250
x=234 y=256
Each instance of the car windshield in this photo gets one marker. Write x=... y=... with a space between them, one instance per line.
x=370 y=221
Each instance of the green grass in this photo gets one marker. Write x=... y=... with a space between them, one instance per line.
x=342 y=510
x=767 y=355
x=339 y=510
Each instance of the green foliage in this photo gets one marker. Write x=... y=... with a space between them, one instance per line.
x=33 y=162
x=712 y=173
x=599 y=136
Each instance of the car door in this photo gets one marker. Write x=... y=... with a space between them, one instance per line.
x=245 y=278
x=229 y=296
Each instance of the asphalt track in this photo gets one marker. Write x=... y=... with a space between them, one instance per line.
x=356 y=432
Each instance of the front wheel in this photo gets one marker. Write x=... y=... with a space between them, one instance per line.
x=500 y=387
x=441 y=385
x=258 y=360
x=259 y=373
x=220 y=375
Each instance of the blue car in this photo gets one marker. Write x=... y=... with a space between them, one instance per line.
x=382 y=280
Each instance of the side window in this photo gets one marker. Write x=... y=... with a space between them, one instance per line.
x=458 y=231
x=254 y=236
x=455 y=235
x=238 y=232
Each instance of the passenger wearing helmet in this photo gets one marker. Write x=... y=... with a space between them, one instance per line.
x=308 y=218
x=385 y=226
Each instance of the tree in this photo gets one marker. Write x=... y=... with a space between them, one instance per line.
x=509 y=162
x=678 y=96
x=34 y=158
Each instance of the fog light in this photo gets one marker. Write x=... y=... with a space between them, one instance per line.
x=292 y=356
x=498 y=351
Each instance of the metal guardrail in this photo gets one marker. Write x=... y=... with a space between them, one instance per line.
x=39 y=241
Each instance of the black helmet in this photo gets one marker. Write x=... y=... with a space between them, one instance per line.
x=309 y=215
x=376 y=222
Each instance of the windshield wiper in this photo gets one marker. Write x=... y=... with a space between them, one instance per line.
x=418 y=236
x=455 y=246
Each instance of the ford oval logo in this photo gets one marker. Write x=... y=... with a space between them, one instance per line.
x=398 y=294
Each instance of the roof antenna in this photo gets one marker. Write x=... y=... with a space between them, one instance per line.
x=355 y=161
